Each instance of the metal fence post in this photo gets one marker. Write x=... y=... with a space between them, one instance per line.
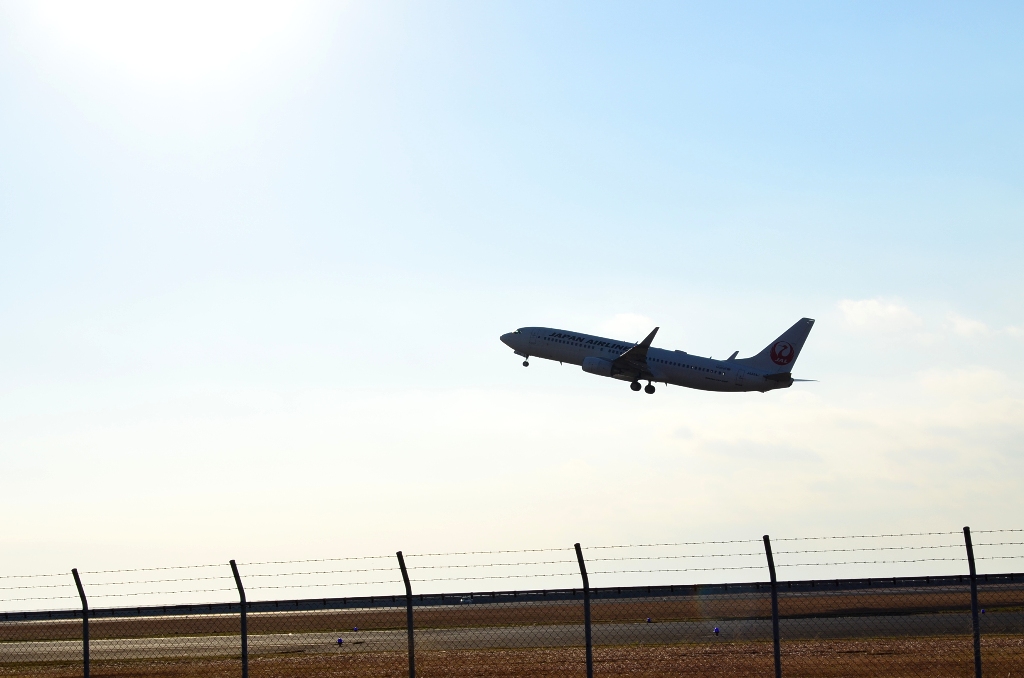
x=408 y=616
x=775 y=607
x=586 y=612
x=85 y=622
x=245 y=630
x=974 y=603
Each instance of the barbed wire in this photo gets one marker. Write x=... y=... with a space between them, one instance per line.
x=899 y=534
x=158 y=593
x=680 y=543
x=611 y=546
x=700 y=569
x=17 y=600
x=386 y=569
x=479 y=553
x=519 y=564
x=683 y=569
x=866 y=536
x=325 y=585
x=626 y=558
x=311 y=560
x=320 y=572
x=118 y=595
x=497 y=576
x=153 y=569
x=113 y=583
x=621 y=558
x=416 y=567
x=872 y=548
x=678 y=557
x=540 y=550
x=870 y=562
x=137 y=569
x=500 y=576
x=573 y=573
x=525 y=563
x=64 y=585
x=576 y=573
x=186 y=567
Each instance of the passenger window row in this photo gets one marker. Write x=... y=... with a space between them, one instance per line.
x=689 y=367
x=655 y=359
x=574 y=343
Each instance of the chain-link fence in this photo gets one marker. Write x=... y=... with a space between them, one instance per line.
x=868 y=626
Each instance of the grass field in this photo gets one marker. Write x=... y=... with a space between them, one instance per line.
x=932 y=657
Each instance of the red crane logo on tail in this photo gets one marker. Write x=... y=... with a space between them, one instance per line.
x=782 y=353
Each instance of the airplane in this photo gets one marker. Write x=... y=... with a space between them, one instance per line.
x=768 y=370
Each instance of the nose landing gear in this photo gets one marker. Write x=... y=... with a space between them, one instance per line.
x=635 y=385
x=526 y=363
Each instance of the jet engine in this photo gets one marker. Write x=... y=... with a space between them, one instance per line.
x=598 y=366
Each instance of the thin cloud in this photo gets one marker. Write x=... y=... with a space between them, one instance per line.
x=974 y=382
x=628 y=326
x=878 y=315
x=966 y=327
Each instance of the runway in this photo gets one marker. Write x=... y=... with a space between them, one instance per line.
x=483 y=637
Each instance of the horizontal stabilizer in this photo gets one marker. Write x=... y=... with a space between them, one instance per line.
x=784 y=378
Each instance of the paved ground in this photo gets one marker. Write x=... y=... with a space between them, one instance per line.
x=544 y=636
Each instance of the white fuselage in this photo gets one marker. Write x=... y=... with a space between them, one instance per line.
x=670 y=367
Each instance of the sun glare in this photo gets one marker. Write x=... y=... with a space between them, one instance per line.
x=160 y=41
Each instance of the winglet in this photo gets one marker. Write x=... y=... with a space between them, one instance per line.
x=635 y=357
x=646 y=343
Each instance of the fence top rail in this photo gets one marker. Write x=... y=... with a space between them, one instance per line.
x=529 y=596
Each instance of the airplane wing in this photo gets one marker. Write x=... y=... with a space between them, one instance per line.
x=634 y=359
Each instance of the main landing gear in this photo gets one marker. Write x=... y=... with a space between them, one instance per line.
x=647 y=389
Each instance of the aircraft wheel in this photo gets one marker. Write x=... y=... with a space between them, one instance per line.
x=635 y=386
x=526 y=363
x=649 y=388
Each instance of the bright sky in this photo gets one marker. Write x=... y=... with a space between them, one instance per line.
x=255 y=259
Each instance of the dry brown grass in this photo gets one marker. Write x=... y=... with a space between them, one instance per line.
x=932 y=657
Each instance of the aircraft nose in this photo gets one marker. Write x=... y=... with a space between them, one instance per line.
x=507 y=339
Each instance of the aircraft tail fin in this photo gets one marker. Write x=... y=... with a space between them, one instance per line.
x=780 y=355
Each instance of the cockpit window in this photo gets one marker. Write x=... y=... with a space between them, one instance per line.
x=517 y=332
